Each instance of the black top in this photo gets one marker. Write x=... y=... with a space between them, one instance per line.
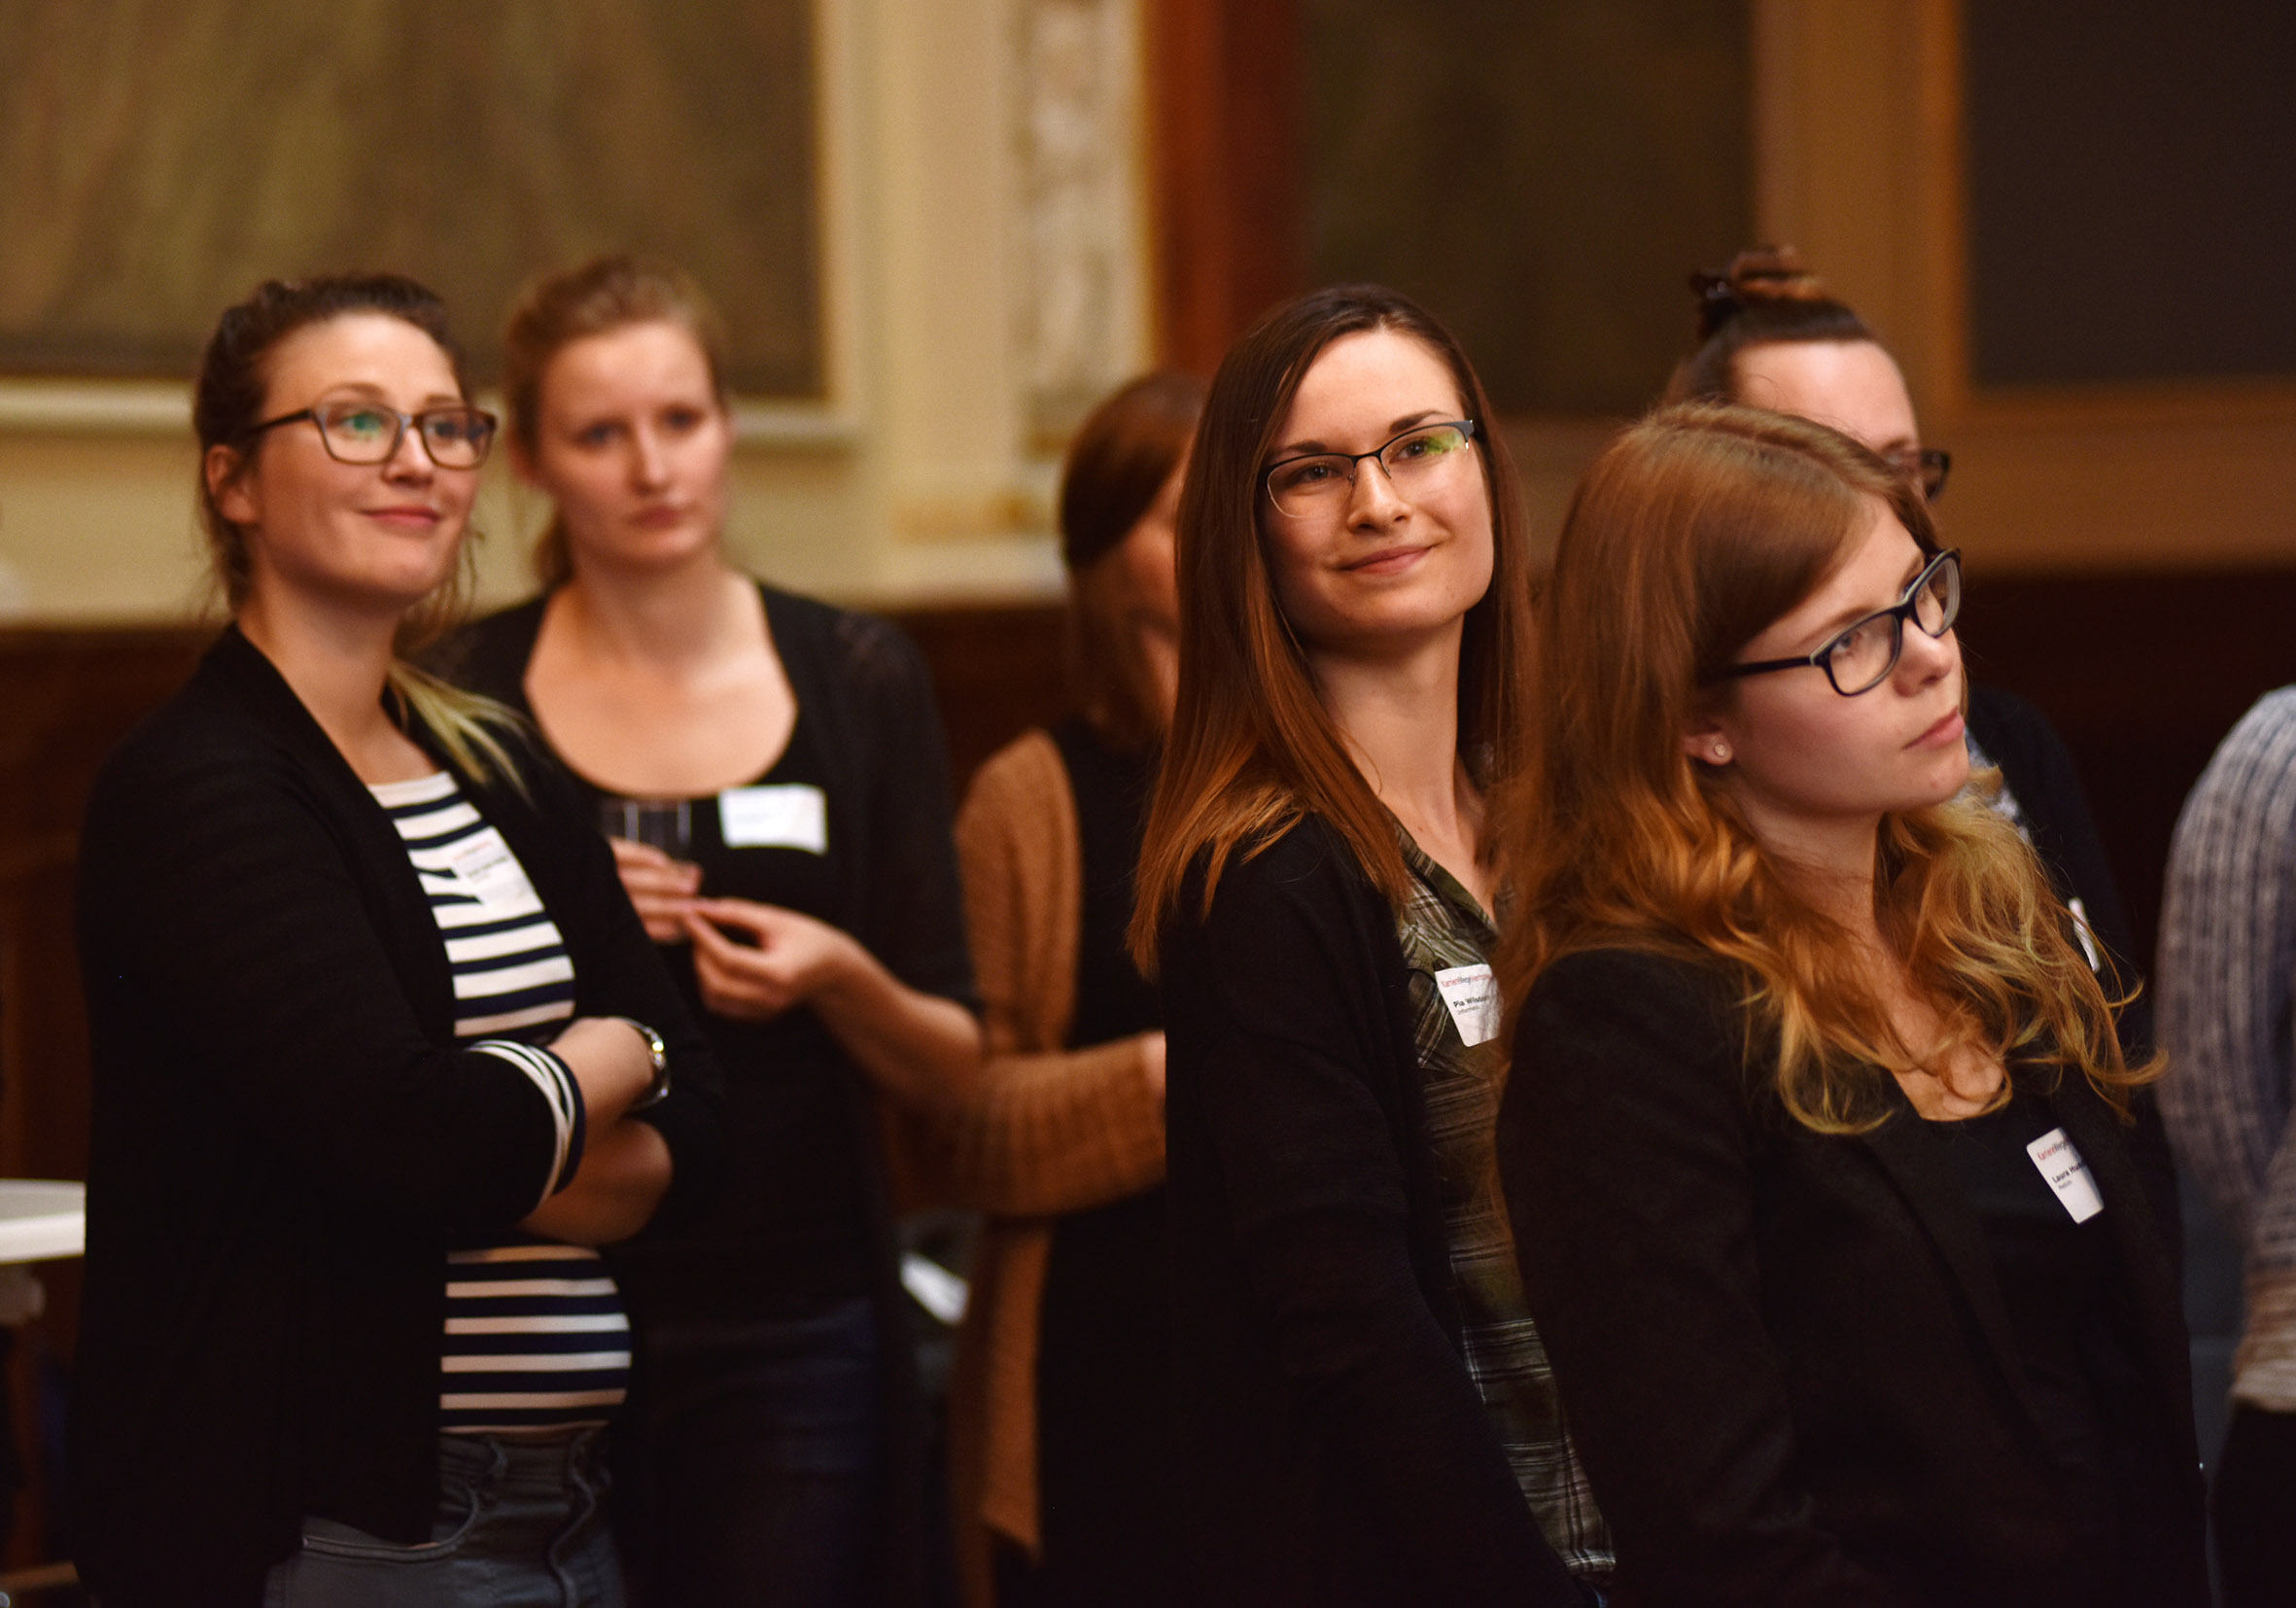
x=1103 y=1359
x=2053 y=810
x=1331 y=1449
x=865 y=699
x=1790 y=1361
x=2056 y=1276
x=792 y=1230
x=285 y=1139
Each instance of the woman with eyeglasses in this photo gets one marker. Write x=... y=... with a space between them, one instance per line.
x=1772 y=335
x=381 y=1053
x=1364 y=1413
x=805 y=896
x=1817 y=1141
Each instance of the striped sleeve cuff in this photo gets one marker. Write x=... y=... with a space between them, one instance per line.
x=564 y=1097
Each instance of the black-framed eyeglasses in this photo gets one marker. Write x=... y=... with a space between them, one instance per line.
x=369 y=433
x=1860 y=656
x=1320 y=483
x=1926 y=469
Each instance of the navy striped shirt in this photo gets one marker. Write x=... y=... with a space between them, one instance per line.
x=536 y=1337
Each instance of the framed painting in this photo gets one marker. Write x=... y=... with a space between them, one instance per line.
x=159 y=157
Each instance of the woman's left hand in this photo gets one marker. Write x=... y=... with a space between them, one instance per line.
x=795 y=959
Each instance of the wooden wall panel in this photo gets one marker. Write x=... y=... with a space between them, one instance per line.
x=1226 y=179
x=2143 y=675
x=66 y=697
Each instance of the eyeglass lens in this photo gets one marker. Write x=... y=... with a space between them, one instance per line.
x=1867 y=652
x=1321 y=483
x=360 y=433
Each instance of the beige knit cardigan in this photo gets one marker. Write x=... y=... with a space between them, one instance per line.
x=1051 y=1131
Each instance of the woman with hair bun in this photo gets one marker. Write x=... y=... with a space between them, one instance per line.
x=1364 y=1413
x=1817 y=1140
x=381 y=1053
x=786 y=759
x=1061 y=1410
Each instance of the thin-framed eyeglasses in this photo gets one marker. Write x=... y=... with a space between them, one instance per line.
x=369 y=433
x=1319 y=485
x=1926 y=469
x=1860 y=656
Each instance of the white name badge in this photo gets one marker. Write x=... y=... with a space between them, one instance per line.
x=793 y=815
x=2085 y=933
x=1473 y=997
x=491 y=874
x=2067 y=1174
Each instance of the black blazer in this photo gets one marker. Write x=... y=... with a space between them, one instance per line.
x=285 y=1140
x=2041 y=775
x=1785 y=1354
x=1330 y=1447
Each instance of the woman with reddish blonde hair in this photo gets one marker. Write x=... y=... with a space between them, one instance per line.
x=1817 y=1138
x=1363 y=1410
x=1773 y=335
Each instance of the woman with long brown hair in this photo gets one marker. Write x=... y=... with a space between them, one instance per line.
x=1816 y=1139
x=1364 y=1413
x=1060 y=1412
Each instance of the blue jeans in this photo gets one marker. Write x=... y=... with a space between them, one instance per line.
x=758 y=1461
x=521 y=1525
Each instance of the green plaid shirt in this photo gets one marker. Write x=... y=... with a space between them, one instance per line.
x=1440 y=928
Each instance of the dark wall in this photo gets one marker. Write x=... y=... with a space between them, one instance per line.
x=2132 y=188
x=1545 y=174
x=2143 y=675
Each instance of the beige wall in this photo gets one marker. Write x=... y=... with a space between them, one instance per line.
x=922 y=477
x=928 y=474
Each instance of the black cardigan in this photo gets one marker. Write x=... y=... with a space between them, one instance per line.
x=1785 y=1354
x=868 y=697
x=2039 y=772
x=1330 y=1448
x=285 y=1140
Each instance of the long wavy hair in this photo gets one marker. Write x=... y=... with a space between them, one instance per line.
x=1694 y=531
x=228 y=401
x=1252 y=748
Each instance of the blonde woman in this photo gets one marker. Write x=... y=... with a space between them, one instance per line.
x=812 y=917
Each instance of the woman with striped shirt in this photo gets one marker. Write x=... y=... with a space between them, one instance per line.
x=381 y=1051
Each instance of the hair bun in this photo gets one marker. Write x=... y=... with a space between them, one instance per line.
x=1756 y=276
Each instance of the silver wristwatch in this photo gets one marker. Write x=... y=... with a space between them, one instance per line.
x=659 y=1090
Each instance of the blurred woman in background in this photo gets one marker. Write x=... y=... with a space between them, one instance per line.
x=1363 y=1412
x=789 y=758
x=1817 y=1138
x=381 y=1051
x=1772 y=335
x=1060 y=1417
